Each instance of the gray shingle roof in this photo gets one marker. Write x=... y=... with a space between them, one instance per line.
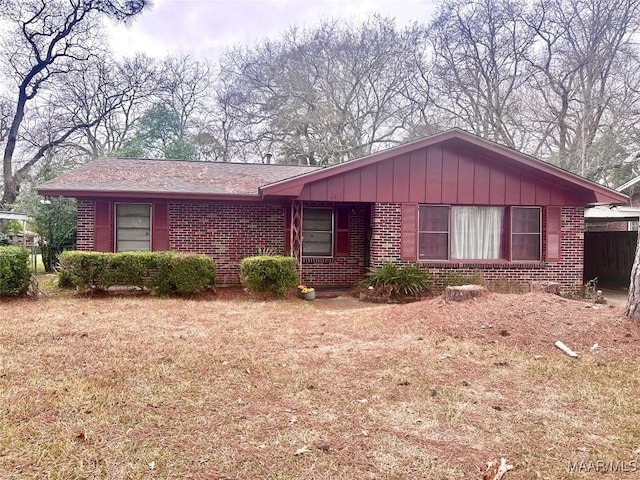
x=171 y=176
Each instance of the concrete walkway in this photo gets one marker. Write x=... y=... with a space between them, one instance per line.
x=615 y=297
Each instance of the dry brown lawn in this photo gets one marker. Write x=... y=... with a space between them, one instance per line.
x=236 y=388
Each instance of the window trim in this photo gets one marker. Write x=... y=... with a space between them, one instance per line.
x=448 y=232
x=115 y=225
x=507 y=259
x=333 y=232
x=539 y=234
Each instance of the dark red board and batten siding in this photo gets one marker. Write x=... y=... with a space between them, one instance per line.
x=449 y=175
x=442 y=174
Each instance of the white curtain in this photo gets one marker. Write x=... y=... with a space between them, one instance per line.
x=476 y=232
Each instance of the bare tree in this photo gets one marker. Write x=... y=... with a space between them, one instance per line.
x=478 y=67
x=107 y=98
x=582 y=82
x=320 y=96
x=47 y=39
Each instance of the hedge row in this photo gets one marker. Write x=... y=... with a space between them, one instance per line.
x=163 y=272
x=271 y=274
x=15 y=275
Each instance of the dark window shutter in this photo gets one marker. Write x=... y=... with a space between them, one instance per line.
x=103 y=227
x=409 y=232
x=160 y=239
x=342 y=232
x=554 y=233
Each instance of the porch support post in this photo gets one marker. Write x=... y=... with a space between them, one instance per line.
x=296 y=235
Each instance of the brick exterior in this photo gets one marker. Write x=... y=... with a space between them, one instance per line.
x=230 y=231
x=86 y=218
x=341 y=271
x=386 y=224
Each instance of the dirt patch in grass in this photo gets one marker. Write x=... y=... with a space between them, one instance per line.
x=231 y=387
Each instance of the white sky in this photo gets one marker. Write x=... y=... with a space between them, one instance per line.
x=205 y=28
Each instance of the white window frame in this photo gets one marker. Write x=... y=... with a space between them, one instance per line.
x=115 y=226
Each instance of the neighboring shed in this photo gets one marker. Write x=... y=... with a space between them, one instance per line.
x=452 y=203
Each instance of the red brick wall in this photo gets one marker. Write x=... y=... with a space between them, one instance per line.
x=86 y=216
x=385 y=247
x=228 y=232
x=340 y=271
x=231 y=231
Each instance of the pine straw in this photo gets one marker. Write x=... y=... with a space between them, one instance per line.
x=232 y=388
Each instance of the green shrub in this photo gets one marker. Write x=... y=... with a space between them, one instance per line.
x=64 y=278
x=15 y=275
x=85 y=269
x=272 y=274
x=163 y=272
x=129 y=268
x=399 y=282
x=183 y=274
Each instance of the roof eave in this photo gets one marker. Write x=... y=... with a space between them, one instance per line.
x=146 y=195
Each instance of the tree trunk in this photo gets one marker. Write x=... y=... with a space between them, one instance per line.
x=633 y=301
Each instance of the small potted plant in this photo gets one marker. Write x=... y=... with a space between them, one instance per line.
x=306 y=293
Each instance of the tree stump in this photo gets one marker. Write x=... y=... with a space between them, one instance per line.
x=463 y=292
x=545 y=286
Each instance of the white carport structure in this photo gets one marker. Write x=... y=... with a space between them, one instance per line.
x=19 y=217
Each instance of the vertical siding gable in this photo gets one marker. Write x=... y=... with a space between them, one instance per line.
x=385 y=181
x=466 y=168
x=318 y=190
x=497 y=184
x=401 y=178
x=444 y=174
x=352 y=186
x=434 y=174
x=335 y=188
x=369 y=183
x=481 y=182
x=543 y=194
x=417 y=176
x=512 y=187
x=450 y=174
x=527 y=190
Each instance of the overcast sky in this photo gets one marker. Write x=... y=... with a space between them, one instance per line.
x=205 y=28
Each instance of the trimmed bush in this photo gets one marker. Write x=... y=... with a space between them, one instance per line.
x=399 y=283
x=272 y=274
x=183 y=274
x=163 y=272
x=15 y=275
x=85 y=269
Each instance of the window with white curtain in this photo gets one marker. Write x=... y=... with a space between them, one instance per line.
x=479 y=233
x=476 y=232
